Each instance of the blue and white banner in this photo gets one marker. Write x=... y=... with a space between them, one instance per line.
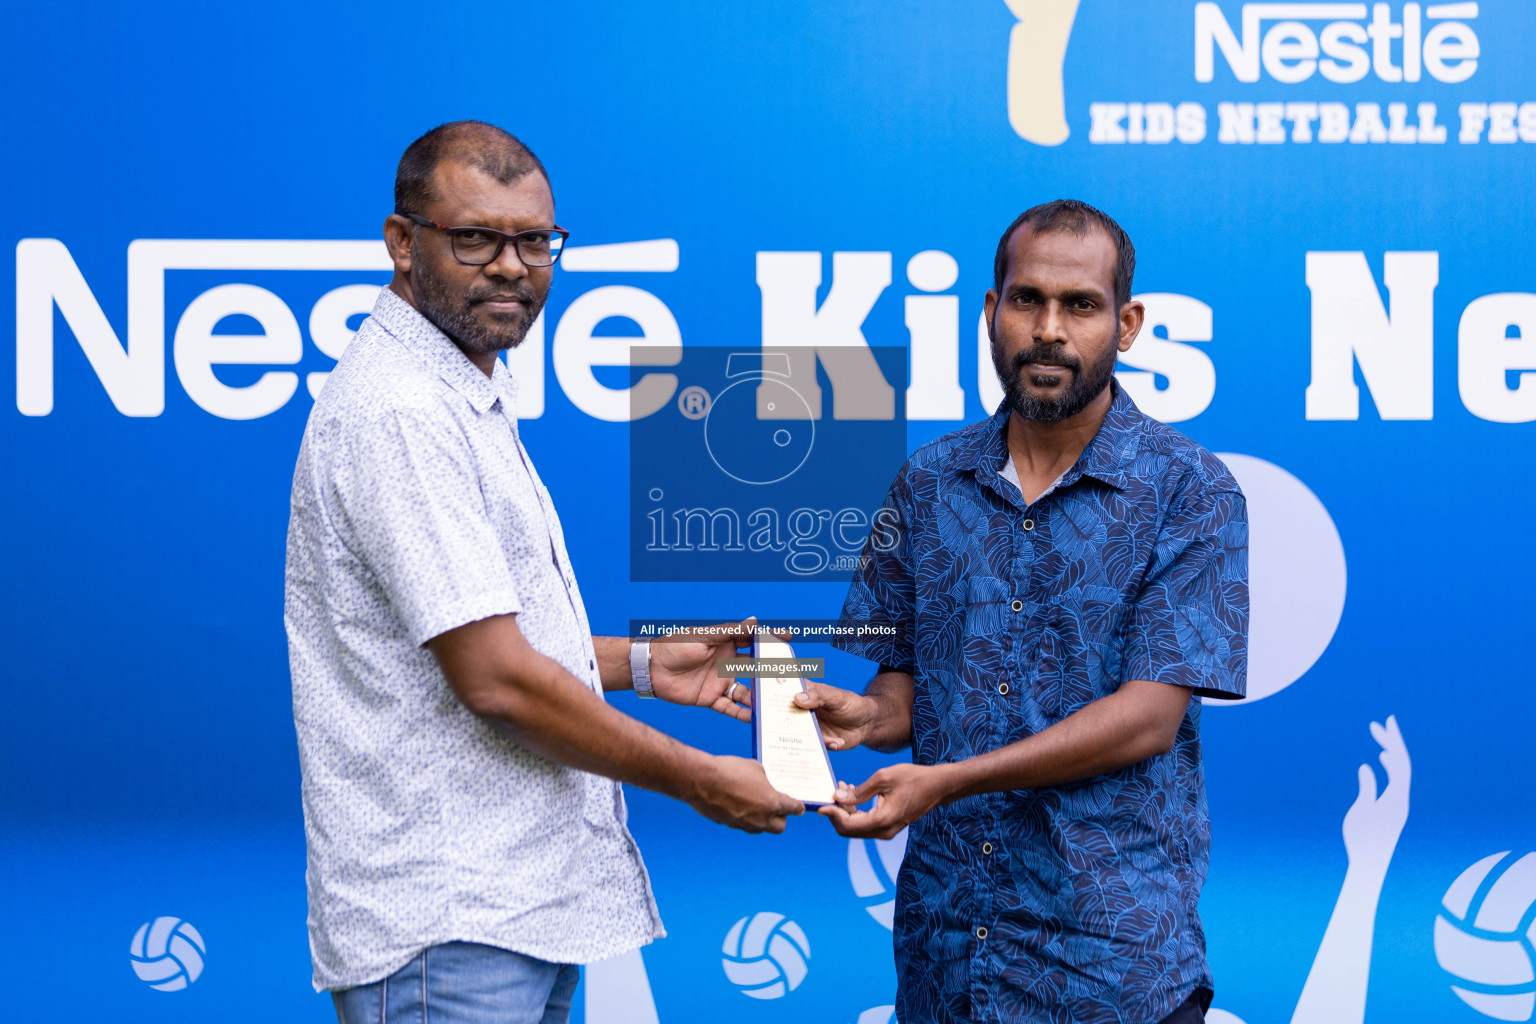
x=1332 y=209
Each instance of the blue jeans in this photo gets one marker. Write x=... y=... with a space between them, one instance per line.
x=464 y=983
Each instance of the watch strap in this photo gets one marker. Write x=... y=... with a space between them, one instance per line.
x=640 y=667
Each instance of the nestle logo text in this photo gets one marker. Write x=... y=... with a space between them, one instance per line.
x=1291 y=42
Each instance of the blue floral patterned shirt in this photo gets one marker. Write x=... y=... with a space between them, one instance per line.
x=1074 y=903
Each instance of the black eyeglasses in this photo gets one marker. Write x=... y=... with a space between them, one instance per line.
x=477 y=246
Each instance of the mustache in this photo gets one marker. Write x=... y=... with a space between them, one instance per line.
x=523 y=295
x=1045 y=357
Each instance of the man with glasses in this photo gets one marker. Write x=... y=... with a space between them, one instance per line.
x=461 y=768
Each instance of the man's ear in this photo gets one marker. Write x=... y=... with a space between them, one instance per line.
x=1131 y=316
x=989 y=307
x=399 y=234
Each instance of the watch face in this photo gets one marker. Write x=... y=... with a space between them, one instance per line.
x=759 y=430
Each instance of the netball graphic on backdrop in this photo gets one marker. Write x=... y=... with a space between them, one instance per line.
x=1037 y=50
x=1485 y=934
x=1296 y=576
x=765 y=955
x=872 y=868
x=167 y=953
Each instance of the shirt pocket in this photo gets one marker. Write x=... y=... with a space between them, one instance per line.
x=1014 y=640
x=987 y=601
x=1099 y=613
x=1079 y=650
x=989 y=636
x=988 y=615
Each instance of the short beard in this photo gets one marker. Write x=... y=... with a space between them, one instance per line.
x=1084 y=389
x=473 y=338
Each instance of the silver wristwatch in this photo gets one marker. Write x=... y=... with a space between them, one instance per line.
x=640 y=667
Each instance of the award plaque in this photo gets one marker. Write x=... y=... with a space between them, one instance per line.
x=786 y=738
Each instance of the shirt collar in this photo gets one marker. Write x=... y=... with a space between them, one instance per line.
x=406 y=323
x=1107 y=457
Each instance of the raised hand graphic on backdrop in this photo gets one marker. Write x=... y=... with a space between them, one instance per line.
x=1335 y=989
x=619 y=991
x=1374 y=823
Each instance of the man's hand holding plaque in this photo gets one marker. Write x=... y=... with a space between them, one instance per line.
x=683 y=666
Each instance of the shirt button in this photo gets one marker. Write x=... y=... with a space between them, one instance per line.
x=1002 y=688
x=981 y=933
x=1029 y=524
x=1017 y=605
x=986 y=849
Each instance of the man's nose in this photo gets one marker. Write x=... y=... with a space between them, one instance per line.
x=507 y=266
x=1050 y=328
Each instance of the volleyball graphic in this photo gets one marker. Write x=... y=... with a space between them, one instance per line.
x=872 y=867
x=1484 y=935
x=1297 y=576
x=765 y=955
x=167 y=953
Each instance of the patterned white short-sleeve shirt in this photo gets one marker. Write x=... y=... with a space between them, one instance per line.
x=416 y=510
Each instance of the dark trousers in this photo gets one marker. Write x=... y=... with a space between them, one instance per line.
x=1189 y=1012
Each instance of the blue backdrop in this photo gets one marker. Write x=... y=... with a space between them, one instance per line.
x=1339 y=283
